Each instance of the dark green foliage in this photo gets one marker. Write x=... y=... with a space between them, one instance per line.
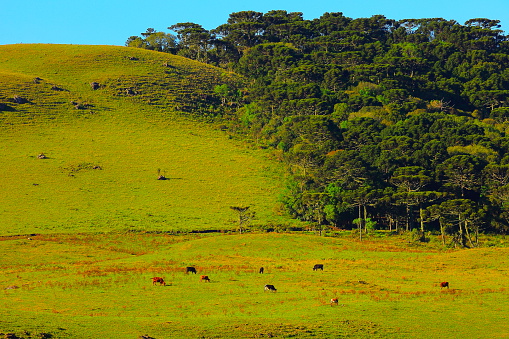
x=376 y=118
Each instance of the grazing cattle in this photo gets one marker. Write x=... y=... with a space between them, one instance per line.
x=270 y=288
x=318 y=267
x=444 y=284
x=158 y=280
x=190 y=270
x=261 y=270
x=334 y=301
x=204 y=278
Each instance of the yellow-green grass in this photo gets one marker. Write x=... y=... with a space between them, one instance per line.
x=159 y=80
x=90 y=286
x=129 y=140
x=207 y=173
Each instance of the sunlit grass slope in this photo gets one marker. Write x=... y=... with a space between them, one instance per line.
x=91 y=286
x=103 y=159
x=156 y=79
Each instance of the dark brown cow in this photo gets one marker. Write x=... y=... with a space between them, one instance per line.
x=318 y=267
x=205 y=278
x=270 y=288
x=190 y=270
x=444 y=284
x=158 y=280
x=261 y=270
x=334 y=301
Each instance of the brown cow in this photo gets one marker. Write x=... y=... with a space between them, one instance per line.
x=204 y=278
x=444 y=284
x=158 y=280
x=334 y=301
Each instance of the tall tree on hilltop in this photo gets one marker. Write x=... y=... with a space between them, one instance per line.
x=153 y=40
x=242 y=30
x=195 y=42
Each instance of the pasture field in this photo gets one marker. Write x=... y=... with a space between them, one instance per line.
x=99 y=286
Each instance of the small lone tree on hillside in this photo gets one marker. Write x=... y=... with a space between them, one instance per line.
x=161 y=176
x=244 y=216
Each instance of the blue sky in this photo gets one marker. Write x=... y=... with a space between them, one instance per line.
x=111 y=22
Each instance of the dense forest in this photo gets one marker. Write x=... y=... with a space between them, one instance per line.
x=383 y=124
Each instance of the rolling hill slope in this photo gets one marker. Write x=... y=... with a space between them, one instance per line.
x=106 y=147
x=129 y=75
x=87 y=272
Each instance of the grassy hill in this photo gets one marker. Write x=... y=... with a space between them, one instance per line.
x=128 y=139
x=155 y=79
x=77 y=261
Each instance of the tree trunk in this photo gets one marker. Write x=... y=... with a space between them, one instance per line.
x=442 y=231
x=360 y=223
x=468 y=234
x=365 y=218
x=477 y=236
x=421 y=216
x=461 y=233
x=407 y=217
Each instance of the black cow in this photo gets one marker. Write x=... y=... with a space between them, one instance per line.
x=190 y=270
x=261 y=270
x=318 y=267
x=270 y=288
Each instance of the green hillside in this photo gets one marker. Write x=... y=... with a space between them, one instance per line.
x=84 y=229
x=128 y=138
x=126 y=76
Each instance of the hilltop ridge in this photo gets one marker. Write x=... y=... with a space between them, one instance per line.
x=65 y=74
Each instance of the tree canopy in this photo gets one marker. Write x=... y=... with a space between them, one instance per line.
x=379 y=119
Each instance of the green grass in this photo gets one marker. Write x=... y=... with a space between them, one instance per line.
x=63 y=193
x=130 y=139
x=83 y=232
x=87 y=286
